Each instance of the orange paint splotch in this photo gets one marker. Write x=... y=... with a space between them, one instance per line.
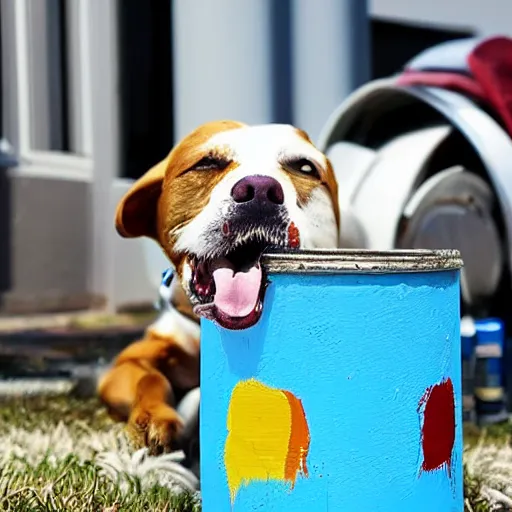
x=298 y=445
x=268 y=436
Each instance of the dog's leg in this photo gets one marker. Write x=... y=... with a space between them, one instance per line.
x=153 y=422
x=136 y=390
x=141 y=395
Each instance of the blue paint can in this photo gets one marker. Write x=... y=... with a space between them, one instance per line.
x=489 y=389
x=468 y=335
x=346 y=395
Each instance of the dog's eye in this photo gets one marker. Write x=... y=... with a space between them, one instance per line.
x=303 y=166
x=210 y=163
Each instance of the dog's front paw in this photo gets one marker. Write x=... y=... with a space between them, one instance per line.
x=156 y=428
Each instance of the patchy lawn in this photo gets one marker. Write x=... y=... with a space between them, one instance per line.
x=63 y=454
x=488 y=468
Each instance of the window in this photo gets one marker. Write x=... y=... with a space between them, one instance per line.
x=48 y=85
x=394 y=44
x=47 y=90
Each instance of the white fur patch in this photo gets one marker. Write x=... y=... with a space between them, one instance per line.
x=319 y=214
x=183 y=330
x=259 y=150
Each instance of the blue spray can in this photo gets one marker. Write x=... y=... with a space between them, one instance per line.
x=489 y=390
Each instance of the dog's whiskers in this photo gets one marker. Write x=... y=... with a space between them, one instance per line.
x=267 y=238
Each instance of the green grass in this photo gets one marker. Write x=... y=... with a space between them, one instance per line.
x=488 y=468
x=63 y=454
x=75 y=485
x=135 y=318
x=32 y=412
x=500 y=433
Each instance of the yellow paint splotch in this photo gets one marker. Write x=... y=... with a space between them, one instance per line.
x=268 y=436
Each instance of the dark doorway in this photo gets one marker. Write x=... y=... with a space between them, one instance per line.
x=394 y=43
x=145 y=84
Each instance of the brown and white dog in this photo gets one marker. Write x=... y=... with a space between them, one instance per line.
x=222 y=196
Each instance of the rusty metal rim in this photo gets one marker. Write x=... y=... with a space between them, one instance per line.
x=363 y=261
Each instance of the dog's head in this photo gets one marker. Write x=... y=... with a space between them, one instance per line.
x=222 y=196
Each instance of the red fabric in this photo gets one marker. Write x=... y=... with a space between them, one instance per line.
x=444 y=80
x=491 y=64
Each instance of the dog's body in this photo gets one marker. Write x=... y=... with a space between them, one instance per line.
x=221 y=197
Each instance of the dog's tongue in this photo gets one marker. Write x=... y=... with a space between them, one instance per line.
x=237 y=294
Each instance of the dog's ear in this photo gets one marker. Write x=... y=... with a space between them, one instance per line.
x=136 y=212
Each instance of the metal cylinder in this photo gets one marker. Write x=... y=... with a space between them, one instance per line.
x=346 y=395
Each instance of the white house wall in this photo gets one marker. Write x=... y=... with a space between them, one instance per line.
x=225 y=67
x=487 y=18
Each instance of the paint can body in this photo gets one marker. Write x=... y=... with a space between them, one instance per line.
x=468 y=331
x=489 y=389
x=346 y=395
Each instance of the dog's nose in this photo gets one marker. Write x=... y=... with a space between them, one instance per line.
x=264 y=189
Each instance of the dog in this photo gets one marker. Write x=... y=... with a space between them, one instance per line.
x=224 y=194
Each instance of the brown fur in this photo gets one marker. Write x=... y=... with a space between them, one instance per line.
x=139 y=387
x=305 y=185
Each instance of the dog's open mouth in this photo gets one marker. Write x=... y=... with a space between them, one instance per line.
x=230 y=288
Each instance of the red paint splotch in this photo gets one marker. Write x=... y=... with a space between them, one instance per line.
x=438 y=431
x=293 y=236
